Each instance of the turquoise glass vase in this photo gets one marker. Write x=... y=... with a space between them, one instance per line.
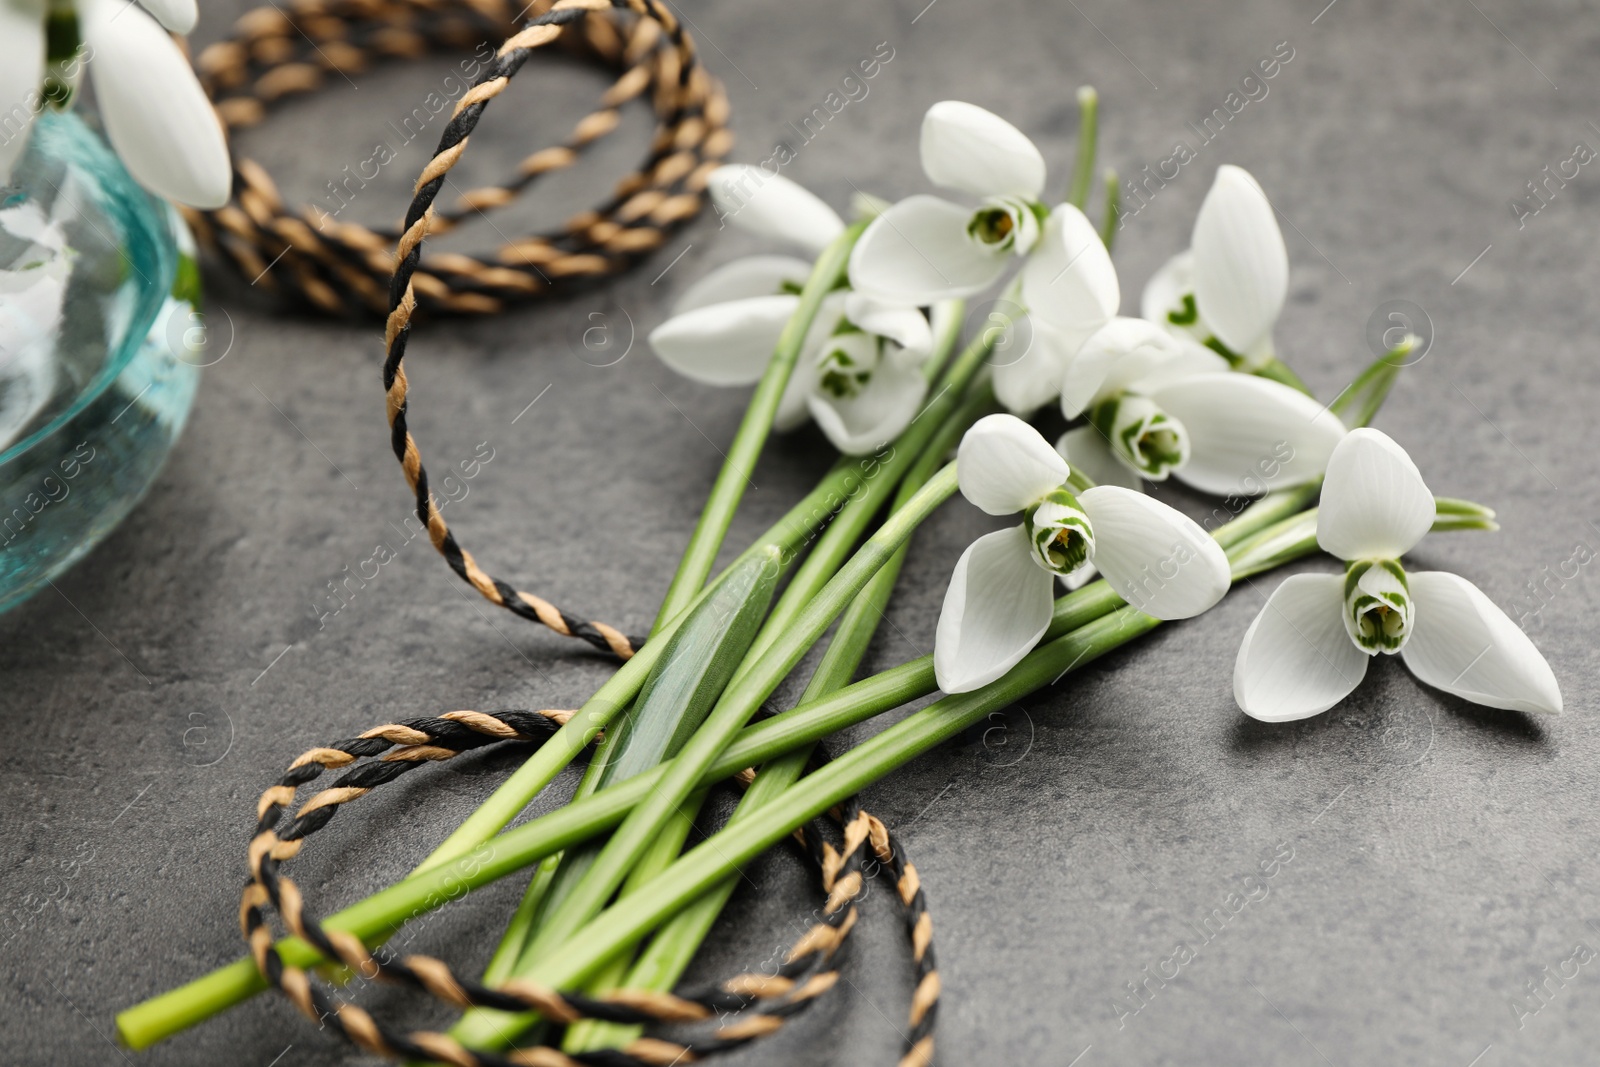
x=99 y=357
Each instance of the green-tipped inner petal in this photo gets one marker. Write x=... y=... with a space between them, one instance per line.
x=1142 y=435
x=1377 y=605
x=1059 y=534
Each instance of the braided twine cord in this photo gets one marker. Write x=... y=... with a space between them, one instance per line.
x=736 y=1011
x=335 y=266
x=409 y=276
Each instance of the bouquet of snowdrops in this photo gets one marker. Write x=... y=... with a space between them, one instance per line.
x=856 y=325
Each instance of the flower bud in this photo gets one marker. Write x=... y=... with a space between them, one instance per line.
x=1142 y=435
x=1059 y=534
x=1005 y=224
x=844 y=366
x=1377 y=605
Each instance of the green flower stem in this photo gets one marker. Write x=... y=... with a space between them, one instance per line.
x=1113 y=217
x=592 y=1033
x=1264 y=512
x=726 y=492
x=1361 y=399
x=1465 y=509
x=1088 y=134
x=1279 y=371
x=674 y=946
x=752 y=685
x=445 y=879
x=523 y=922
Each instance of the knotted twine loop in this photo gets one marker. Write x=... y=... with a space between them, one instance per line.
x=339 y=266
x=737 y=1011
x=409 y=275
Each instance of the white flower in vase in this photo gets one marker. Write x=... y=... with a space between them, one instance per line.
x=1310 y=646
x=1000 y=598
x=155 y=113
x=31 y=298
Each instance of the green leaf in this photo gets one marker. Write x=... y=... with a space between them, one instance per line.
x=692 y=672
x=696 y=665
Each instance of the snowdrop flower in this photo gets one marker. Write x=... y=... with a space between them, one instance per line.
x=155 y=113
x=1000 y=597
x=1228 y=289
x=1159 y=404
x=926 y=248
x=1310 y=645
x=860 y=373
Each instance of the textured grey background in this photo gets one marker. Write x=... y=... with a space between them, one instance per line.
x=1442 y=855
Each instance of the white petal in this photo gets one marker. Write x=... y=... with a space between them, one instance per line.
x=1004 y=465
x=904 y=324
x=1080 y=577
x=1165 y=290
x=1186 y=357
x=770 y=205
x=1462 y=643
x=1118 y=354
x=177 y=16
x=1248 y=434
x=1069 y=280
x=1241 y=269
x=965 y=147
x=21 y=68
x=866 y=422
x=1296 y=660
x=1087 y=452
x=724 y=344
x=997 y=607
x=1375 y=504
x=750 y=276
x=155 y=113
x=1026 y=381
x=918 y=252
x=1155 y=557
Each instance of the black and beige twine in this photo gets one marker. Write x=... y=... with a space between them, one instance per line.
x=321 y=259
x=732 y=1013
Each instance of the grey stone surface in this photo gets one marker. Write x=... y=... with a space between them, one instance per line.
x=1443 y=855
